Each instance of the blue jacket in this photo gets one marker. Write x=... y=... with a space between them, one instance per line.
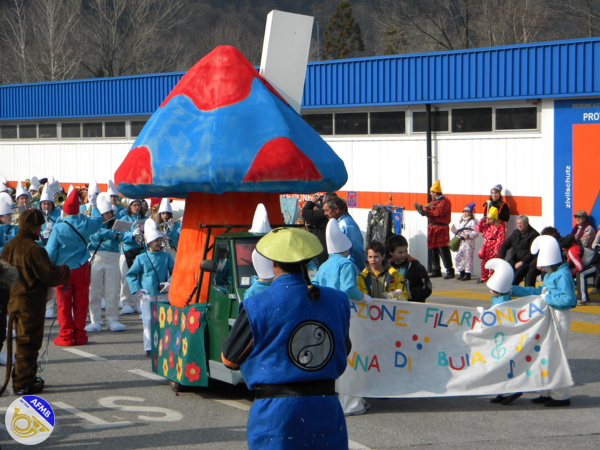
x=7 y=232
x=173 y=234
x=128 y=241
x=357 y=253
x=338 y=273
x=119 y=212
x=257 y=287
x=106 y=239
x=561 y=289
x=65 y=246
x=501 y=299
x=149 y=270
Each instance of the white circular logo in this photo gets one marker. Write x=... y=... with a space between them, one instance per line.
x=29 y=420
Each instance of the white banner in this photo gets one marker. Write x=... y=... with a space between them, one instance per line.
x=404 y=349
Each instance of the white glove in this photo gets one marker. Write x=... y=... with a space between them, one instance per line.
x=92 y=199
x=46 y=233
x=366 y=298
x=141 y=294
x=137 y=231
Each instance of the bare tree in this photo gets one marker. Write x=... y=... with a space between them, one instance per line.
x=14 y=37
x=58 y=48
x=130 y=36
x=581 y=18
x=234 y=34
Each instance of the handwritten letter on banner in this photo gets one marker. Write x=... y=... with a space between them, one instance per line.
x=402 y=349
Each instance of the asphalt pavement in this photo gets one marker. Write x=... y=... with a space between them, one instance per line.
x=105 y=396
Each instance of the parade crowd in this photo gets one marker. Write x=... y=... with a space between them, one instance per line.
x=82 y=252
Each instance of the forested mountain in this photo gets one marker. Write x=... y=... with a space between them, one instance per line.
x=49 y=40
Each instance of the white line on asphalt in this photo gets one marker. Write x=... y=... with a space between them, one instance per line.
x=149 y=375
x=84 y=354
x=233 y=403
x=356 y=446
x=97 y=423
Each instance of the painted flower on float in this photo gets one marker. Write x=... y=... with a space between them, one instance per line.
x=169 y=316
x=165 y=366
x=154 y=313
x=160 y=347
x=167 y=338
x=193 y=320
x=182 y=321
x=177 y=342
x=184 y=348
x=171 y=359
x=175 y=317
x=161 y=317
x=155 y=338
x=192 y=372
x=179 y=368
x=155 y=362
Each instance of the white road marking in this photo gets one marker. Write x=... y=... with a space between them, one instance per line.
x=76 y=351
x=97 y=423
x=233 y=404
x=149 y=375
x=356 y=446
x=169 y=415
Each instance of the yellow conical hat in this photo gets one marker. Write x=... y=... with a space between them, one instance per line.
x=289 y=245
x=437 y=187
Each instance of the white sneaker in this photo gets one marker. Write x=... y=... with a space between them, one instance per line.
x=127 y=310
x=137 y=309
x=50 y=314
x=93 y=328
x=115 y=326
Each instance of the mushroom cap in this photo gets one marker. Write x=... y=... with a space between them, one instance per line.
x=223 y=128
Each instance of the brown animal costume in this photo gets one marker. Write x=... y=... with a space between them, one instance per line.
x=27 y=304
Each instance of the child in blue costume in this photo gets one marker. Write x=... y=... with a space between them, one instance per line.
x=131 y=246
x=296 y=406
x=264 y=270
x=5 y=218
x=558 y=291
x=500 y=284
x=52 y=216
x=149 y=277
x=338 y=272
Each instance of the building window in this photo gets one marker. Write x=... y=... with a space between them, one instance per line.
x=352 y=123
x=28 y=131
x=92 y=130
x=114 y=129
x=321 y=123
x=70 y=130
x=439 y=121
x=471 y=120
x=392 y=122
x=136 y=127
x=8 y=132
x=516 y=118
x=47 y=131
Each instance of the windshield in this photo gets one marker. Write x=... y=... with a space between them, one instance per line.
x=243 y=260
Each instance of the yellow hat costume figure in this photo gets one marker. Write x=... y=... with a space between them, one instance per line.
x=493 y=213
x=292 y=358
x=437 y=187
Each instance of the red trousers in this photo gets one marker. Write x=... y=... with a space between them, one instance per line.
x=72 y=301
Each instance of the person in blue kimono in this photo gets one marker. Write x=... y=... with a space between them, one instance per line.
x=291 y=342
x=264 y=270
x=132 y=245
x=149 y=277
x=558 y=291
x=336 y=208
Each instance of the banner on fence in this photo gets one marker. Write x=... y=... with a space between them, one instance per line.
x=404 y=349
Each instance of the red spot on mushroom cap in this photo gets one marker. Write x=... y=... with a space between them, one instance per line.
x=221 y=78
x=135 y=168
x=280 y=160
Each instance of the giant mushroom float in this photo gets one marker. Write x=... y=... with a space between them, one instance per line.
x=225 y=140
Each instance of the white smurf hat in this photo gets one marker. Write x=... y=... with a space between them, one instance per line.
x=3 y=187
x=548 y=251
x=112 y=190
x=93 y=188
x=165 y=206
x=103 y=203
x=262 y=265
x=260 y=223
x=133 y=200
x=501 y=280
x=150 y=231
x=337 y=242
x=21 y=191
x=5 y=204
x=47 y=194
x=35 y=184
